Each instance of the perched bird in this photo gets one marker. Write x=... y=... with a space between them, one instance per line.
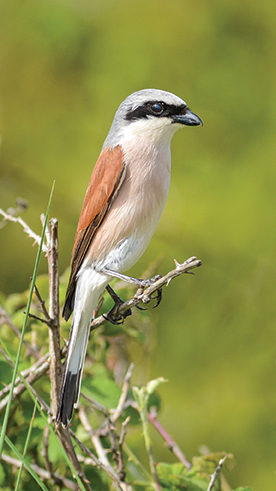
x=123 y=204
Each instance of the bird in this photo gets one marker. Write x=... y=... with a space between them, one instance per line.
x=123 y=204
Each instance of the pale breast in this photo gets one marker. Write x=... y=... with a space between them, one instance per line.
x=135 y=212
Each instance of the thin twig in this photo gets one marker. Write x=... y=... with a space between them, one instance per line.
x=45 y=453
x=21 y=206
x=216 y=473
x=38 y=318
x=121 y=404
x=113 y=441
x=152 y=417
x=64 y=436
x=29 y=381
x=101 y=452
x=6 y=319
x=26 y=228
x=47 y=231
x=27 y=372
x=44 y=474
x=96 y=404
x=42 y=304
x=93 y=459
x=121 y=463
x=144 y=297
x=54 y=338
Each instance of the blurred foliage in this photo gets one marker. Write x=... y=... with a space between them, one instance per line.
x=101 y=392
x=65 y=67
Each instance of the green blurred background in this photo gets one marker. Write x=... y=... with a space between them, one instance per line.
x=65 y=67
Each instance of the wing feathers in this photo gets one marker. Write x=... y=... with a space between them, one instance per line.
x=106 y=180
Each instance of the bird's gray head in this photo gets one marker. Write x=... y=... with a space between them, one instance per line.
x=151 y=113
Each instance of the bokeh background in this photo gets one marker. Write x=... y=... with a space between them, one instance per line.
x=65 y=67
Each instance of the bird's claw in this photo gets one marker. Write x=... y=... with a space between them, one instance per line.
x=158 y=297
x=114 y=317
x=147 y=283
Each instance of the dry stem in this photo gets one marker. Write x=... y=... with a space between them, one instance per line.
x=152 y=417
x=44 y=474
x=26 y=228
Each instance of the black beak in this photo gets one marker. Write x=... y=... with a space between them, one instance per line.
x=188 y=118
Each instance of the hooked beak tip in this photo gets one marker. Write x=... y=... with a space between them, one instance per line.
x=188 y=118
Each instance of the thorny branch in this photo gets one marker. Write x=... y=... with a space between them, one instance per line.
x=145 y=295
x=26 y=228
x=21 y=206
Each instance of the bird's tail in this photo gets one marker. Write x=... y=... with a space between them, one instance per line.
x=85 y=302
x=72 y=373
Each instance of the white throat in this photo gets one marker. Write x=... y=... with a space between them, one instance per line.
x=150 y=130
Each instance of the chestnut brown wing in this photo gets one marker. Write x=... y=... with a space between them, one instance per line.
x=106 y=180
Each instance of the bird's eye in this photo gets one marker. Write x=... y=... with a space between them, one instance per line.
x=157 y=108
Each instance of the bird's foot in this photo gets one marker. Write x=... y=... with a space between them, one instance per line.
x=113 y=315
x=145 y=284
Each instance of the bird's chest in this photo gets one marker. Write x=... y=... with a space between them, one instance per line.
x=147 y=184
x=135 y=212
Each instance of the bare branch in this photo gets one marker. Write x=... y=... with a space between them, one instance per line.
x=38 y=318
x=121 y=464
x=121 y=404
x=45 y=448
x=34 y=368
x=54 y=338
x=21 y=206
x=54 y=347
x=42 y=304
x=47 y=231
x=64 y=436
x=101 y=452
x=29 y=380
x=26 y=228
x=144 y=296
x=44 y=474
x=6 y=319
x=152 y=417
x=216 y=473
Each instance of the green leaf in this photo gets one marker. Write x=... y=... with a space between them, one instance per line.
x=154 y=384
x=6 y=373
x=207 y=464
x=39 y=422
x=2 y=475
x=174 y=477
x=102 y=387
